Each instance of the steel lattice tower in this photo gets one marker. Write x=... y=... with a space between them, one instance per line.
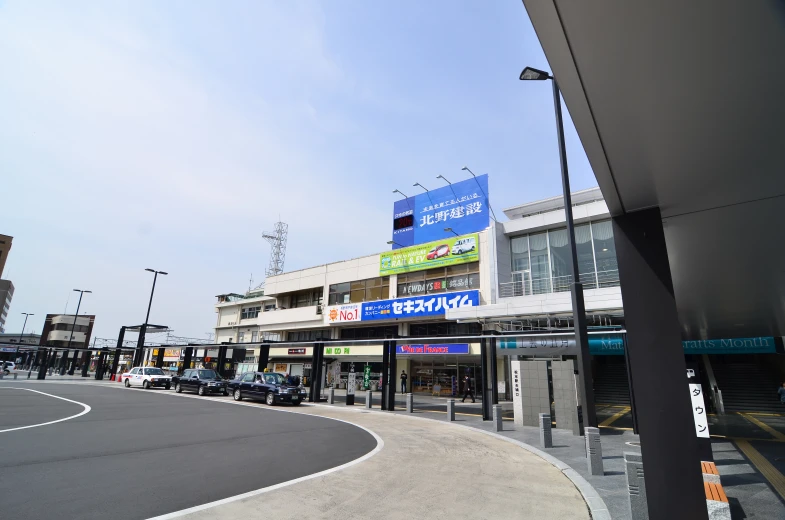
x=277 y=240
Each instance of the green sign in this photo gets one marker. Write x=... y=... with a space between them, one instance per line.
x=367 y=377
x=448 y=251
x=335 y=351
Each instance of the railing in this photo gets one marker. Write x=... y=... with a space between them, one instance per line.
x=557 y=284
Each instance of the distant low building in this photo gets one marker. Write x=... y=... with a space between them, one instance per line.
x=58 y=328
x=6 y=294
x=23 y=339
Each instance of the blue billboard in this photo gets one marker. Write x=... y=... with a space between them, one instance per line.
x=445 y=348
x=418 y=306
x=462 y=206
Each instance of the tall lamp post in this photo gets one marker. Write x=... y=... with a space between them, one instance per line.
x=578 y=305
x=21 y=336
x=71 y=336
x=143 y=332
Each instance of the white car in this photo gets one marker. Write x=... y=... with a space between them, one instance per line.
x=8 y=367
x=464 y=245
x=146 y=377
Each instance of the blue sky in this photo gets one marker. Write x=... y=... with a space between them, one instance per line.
x=171 y=134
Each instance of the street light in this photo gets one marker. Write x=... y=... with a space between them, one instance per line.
x=421 y=186
x=27 y=315
x=140 y=342
x=71 y=336
x=578 y=304
x=487 y=201
x=404 y=196
x=451 y=230
x=391 y=242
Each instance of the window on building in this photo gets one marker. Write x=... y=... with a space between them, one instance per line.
x=452 y=278
x=307 y=298
x=241 y=337
x=254 y=336
x=250 y=312
x=308 y=335
x=605 y=254
x=359 y=291
x=269 y=307
x=369 y=332
x=541 y=262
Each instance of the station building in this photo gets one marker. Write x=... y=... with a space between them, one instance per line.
x=518 y=283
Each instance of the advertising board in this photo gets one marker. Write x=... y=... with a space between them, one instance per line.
x=411 y=307
x=463 y=206
x=439 y=253
x=446 y=348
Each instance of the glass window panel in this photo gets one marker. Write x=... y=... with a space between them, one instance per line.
x=358 y=285
x=585 y=256
x=373 y=293
x=373 y=282
x=434 y=273
x=520 y=253
x=358 y=295
x=386 y=280
x=340 y=287
x=560 y=260
x=541 y=275
x=605 y=253
x=457 y=269
x=385 y=292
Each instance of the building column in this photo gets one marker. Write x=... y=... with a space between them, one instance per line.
x=483 y=383
x=42 y=365
x=117 y=354
x=64 y=363
x=385 y=373
x=674 y=484
x=393 y=376
x=264 y=358
x=159 y=360
x=221 y=360
x=86 y=362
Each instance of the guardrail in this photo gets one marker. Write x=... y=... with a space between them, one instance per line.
x=557 y=284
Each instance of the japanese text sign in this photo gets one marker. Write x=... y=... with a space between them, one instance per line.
x=419 y=306
x=699 y=411
x=447 y=348
x=462 y=206
x=447 y=251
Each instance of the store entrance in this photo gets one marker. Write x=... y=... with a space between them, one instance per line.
x=442 y=376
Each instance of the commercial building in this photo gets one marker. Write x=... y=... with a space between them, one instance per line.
x=59 y=328
x=5 y=248
x=6 y=294
x=508 y=277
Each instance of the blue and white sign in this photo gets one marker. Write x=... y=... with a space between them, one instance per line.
x=418 y=306
x=462 y=206
x=446 y=348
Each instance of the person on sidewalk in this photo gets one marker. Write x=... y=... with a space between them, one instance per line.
x=404 y=377
x=781 y=391
x=467 y=388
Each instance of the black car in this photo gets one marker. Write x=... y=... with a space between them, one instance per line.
x=203 y=381
x=271 y=387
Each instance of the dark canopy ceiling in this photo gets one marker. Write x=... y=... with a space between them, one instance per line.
x=681 y=106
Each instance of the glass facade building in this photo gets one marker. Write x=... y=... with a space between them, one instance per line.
x=541 y=261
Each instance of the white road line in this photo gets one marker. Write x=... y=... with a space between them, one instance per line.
x=86 y=410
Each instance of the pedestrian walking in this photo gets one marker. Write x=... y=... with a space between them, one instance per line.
x=781 y=391
x=467 y=388
x=404 y=377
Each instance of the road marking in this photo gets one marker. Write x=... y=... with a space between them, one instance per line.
x=769 y=472
x=763 y=426
x=86 y=410
x=613 y=418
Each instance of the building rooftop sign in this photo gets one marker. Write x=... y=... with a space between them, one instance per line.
x=462 y=206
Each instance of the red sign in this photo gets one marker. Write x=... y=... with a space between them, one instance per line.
x=296 y=351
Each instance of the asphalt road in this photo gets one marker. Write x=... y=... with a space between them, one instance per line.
x=137 y=454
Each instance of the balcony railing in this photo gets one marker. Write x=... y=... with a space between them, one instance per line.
x=557 y=284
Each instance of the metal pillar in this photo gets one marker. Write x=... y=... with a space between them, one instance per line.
x=159 y=360
x=312 y=395
x=486 y=404
x=117 y=353
x=86 y=362
x=99 y=367
x=64 y=362
x=317 y=374
x=189 y=354
x=385 y=374
x=669 y=446
x=264 y=357
x=42 y=364
x=391 y=382
x=633 y=408
x=73 y=327
x=586 y=393
x=494 y=364
x=221 y=360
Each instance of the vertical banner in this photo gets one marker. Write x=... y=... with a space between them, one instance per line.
x=367 y=377
x=699 y=411
x=352 y=381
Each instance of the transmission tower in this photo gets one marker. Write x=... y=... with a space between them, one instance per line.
x=277 y=240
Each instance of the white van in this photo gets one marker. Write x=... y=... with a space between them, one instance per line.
x=464 y=245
